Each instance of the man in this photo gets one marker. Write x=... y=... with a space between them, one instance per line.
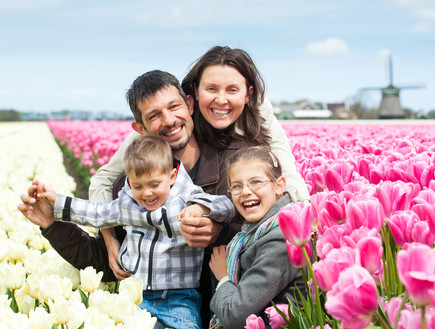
x=161 y=108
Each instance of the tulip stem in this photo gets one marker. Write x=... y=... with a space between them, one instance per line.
x=316 y=289
x=423 y=317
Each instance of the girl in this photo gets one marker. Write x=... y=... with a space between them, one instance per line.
x=229 y=105
x=257 y=268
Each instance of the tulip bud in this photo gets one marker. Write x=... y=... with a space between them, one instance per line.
x=90 y=279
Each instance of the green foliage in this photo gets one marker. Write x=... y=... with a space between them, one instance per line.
x=10 y=115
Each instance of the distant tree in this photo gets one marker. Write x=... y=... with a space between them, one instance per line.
x=431 y=114
x=10 y=115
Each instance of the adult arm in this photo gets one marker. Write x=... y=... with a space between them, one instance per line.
x=268 y=276
x=280 y=147
x=101 y=190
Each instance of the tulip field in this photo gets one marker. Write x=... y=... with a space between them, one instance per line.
x=370 y=225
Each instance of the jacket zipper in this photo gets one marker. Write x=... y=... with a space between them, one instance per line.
x=151 y=254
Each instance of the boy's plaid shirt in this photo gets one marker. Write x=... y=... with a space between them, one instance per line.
x=154 y=249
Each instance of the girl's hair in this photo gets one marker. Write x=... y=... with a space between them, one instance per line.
x=147 y=154
x=250 y=122
x=263 y=154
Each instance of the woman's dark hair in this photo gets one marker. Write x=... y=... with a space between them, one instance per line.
x=249 y=126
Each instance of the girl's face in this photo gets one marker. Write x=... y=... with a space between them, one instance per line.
x=253 y=203
x=222 y=95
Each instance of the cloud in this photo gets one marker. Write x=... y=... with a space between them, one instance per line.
x=422 y=10
x=328 y=47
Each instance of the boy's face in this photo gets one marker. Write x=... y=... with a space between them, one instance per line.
x=152 y=190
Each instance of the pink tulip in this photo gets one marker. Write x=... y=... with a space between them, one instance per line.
x=317 y=201
x=353 y=299
x=365 y=211
x=333 y=212
x=392 y=308
x=338 y=175
x=254 y=322
x=296 y=255
x=328 y=270
x=424 y=206
x=295 y=222
x=332 y=238
x=395 y=196
x=276 y=320
x=415 y=266
x=406 y=226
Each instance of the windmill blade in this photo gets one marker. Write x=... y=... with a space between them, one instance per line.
x=370 y=88
x=412 y=87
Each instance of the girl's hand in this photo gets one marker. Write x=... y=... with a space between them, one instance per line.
x=218 y=263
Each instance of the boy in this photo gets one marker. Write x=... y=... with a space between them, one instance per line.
x=156 y=191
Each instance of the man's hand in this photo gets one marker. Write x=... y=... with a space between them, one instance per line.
x=218 y=264
x=199 y=232
x=112 y=245
x=37 y=204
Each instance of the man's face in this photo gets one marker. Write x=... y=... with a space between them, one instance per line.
x=167 y=115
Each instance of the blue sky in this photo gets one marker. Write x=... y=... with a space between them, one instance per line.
x=84 y=55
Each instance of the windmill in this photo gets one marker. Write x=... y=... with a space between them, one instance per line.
x=390 y=107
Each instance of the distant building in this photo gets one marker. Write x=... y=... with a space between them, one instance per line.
x=303 y=110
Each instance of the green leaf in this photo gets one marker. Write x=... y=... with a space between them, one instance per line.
x=85 y=299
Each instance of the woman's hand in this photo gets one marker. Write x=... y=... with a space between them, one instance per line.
x=218 y=263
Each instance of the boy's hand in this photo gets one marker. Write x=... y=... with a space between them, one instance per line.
x=218 y=263
x=195 y=210
x=37 y=206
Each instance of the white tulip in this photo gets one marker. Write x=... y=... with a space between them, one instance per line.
x=52 y=285
x=67 y=270
x=59 y=306
x=101 y=300
x=134 y=288
x=13 y=275
x=140 y=319
x=40 y=319
x=90 y=279
x=24 y=301
x=122 y=307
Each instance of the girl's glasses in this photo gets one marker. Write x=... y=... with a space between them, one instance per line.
x=253 y=184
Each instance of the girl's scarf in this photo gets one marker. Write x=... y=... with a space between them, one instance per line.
x=249 y=234
x=243 y=241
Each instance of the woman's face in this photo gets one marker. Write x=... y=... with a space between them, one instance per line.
x=222 y=95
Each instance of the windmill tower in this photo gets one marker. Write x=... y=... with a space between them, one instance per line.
x=390 y=107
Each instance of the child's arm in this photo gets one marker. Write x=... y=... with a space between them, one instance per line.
x=38 y=204
x=195 y=210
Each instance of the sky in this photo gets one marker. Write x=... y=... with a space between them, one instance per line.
x=84 y=55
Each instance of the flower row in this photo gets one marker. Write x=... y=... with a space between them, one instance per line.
x=38 y=289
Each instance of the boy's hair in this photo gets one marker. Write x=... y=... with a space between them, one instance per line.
x=250 y=121
x=147 y=154
x=146 y=86
x=263 y=154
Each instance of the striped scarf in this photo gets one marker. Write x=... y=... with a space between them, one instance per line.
x=241 y=241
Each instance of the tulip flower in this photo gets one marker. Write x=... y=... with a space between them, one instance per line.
x=134 y=288
x=353 y=299
x=332 y=238
x=406 y=227
x=295 y=222
x=337 y=175
x=296 y=256
x=365 y=211
x=333 y=212
x=327 y=271
x=276 y=320
x=395 y=195
x=415 y=266
x=89 y=279
x=254 y=322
